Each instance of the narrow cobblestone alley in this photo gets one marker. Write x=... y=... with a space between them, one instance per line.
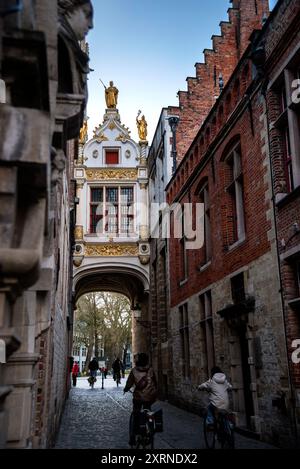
x=98 y=419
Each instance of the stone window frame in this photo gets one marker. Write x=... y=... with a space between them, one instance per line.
x=288 y=124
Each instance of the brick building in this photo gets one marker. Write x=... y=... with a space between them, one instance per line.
x=281 y=68
x=219 y=63
x=226 y=306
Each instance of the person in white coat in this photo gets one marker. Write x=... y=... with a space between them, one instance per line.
x=217 y=388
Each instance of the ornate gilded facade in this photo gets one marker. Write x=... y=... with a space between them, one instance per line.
x=112 y=232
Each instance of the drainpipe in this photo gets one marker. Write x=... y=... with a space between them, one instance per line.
x=293 y=400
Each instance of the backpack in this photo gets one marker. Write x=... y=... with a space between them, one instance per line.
x=142 y=383
x=147 y=386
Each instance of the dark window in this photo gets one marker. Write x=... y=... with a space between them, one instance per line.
x=207 y=333
x=112 y=209
x=283 y=99
x=183 y=250
x=287 y=158
x=96 y=208
x=238 y=288
x=236 y=217
x=204 y=199
x=185 y=343
x=298 y=277
x=287 y=122
x=127 y=210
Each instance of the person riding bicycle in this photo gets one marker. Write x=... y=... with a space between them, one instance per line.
x=218 y=388
x=142 y=376
x=93 y=367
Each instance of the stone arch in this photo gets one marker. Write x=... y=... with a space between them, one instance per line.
x=125 y=279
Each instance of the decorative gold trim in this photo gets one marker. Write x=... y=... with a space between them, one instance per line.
x=123 y=138
x=78 y=232
x=105 y=174
x=116 y=250
x=101 y=138
x=112 y=126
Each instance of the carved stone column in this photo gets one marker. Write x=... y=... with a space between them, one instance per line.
x=141 y=328
x=144 y=246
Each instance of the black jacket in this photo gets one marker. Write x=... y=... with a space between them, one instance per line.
x=93 y=365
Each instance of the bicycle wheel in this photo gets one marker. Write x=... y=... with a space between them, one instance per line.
x=151 y=442
x=131 y=431
x=209 y=434
x=228 y=441
x=141 y=442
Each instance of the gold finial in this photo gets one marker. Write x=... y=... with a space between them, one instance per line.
x=83 y=133
x=142 y=127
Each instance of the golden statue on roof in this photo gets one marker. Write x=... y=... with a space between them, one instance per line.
x=111 y=96
x=142 y=127
x=83 y=133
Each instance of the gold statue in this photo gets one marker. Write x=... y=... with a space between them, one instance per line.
x=142 y=127
x=111 y=96
x=83 y=133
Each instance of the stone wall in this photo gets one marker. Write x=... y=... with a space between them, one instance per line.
x=37 y=203
x=268 y=366
x=251 y=342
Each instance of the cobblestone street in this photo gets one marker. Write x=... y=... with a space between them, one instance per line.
x=98 y=419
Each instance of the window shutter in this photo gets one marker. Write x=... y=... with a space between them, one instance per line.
x=111 y=157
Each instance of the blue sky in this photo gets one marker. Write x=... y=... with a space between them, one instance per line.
x=148 y=48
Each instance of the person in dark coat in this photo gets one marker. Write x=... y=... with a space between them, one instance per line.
x=93 y=367
x=117 y=367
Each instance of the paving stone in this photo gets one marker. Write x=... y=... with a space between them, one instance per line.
x=98 y=419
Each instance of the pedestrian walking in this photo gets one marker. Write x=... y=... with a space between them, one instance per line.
x=75 y=371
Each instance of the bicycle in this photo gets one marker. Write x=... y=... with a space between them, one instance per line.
x=92 y=380
x=221 y=432
x=145 y=437
x=117 y=378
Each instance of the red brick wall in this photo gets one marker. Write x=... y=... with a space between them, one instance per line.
x=227 y=49
x=257 y=226
x=281 y=39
